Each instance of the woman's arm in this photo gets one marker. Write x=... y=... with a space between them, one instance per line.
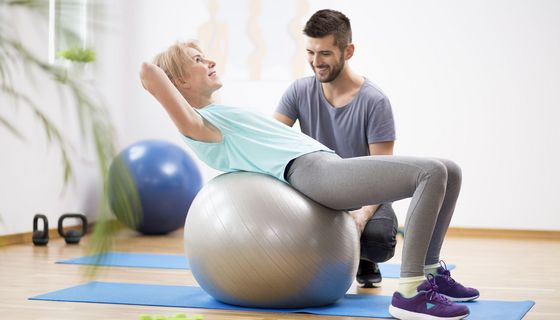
x=189 y=122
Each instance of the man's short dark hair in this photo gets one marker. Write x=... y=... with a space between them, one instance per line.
x=326 y=22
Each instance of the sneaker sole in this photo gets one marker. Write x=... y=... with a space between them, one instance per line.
x=466 y=299
x=369 y=285
x=409 y=315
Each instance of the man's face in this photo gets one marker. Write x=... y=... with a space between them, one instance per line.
x=325 y=58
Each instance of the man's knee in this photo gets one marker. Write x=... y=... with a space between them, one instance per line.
x=378 y=240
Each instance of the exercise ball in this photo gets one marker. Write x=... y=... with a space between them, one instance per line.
x=254 y=241
x=156 y=181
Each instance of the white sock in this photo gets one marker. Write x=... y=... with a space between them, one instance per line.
x=408 y=285
x=432 y=268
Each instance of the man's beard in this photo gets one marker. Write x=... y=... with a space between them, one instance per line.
x=334 y=72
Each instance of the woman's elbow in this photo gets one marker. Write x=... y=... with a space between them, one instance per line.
x=145 y=70
x=146 y=67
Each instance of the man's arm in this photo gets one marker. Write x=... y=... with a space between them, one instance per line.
x=287 y=110
x=284 y=119
x=381 y=148
x=189 y=123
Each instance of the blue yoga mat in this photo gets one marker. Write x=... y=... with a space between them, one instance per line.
x=175 y=261
x=352 y=305
x=134 y=260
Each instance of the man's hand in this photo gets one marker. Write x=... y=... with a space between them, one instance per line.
x=362 y=216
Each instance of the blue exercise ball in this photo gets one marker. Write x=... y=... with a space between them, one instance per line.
x=156 y=182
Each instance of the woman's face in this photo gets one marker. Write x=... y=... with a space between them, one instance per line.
x=202 y=73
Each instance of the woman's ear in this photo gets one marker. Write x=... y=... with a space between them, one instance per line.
x=182 y=84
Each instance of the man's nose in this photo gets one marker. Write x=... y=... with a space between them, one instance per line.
x=316 y=61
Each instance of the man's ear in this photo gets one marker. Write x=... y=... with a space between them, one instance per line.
x=349 y=51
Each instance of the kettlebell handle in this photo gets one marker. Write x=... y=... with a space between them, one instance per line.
x=40 y=237
x=72 y=215
x=36 y=221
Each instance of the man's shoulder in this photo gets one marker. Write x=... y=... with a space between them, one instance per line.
x=371 y=91
x=305 y=83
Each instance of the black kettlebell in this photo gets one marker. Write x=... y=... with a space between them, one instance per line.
x=72 y=236
x=40 y=237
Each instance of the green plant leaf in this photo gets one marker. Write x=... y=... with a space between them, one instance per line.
x=11 y=128
x=77 y=54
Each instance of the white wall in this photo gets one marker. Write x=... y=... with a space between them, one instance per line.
x=477 y=82
x=474 y=81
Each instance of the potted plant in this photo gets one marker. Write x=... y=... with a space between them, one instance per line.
x=91 y=114
x=78 y=60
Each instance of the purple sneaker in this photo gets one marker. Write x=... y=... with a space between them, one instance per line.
x=450 y=288
x=426 y=305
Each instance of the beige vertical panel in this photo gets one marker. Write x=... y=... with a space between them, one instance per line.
x=214 y=37
x=254 y=32
x=296 y=26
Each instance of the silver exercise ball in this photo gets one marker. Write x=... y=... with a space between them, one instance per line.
x=254 y=241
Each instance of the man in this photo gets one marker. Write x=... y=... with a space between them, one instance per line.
x=350 y=115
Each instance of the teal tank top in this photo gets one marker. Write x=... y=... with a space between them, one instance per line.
x=251 y=142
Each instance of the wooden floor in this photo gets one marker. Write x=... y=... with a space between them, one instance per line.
x=509 y=269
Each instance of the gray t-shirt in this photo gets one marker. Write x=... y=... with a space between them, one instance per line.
x=348 y=130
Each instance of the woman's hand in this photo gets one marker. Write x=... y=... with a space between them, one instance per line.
x=149 y=73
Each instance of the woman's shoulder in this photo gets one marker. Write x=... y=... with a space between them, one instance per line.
x=225 y=112
x=218 y=108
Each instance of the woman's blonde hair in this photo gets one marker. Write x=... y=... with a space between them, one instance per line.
x=175 y=60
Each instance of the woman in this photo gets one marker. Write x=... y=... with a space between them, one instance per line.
x=183 y=80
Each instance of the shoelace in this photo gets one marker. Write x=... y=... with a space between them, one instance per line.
x=433 y=293
x=446 y=273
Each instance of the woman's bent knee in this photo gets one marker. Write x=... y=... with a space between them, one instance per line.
x=454 y=173
x=435 y=171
